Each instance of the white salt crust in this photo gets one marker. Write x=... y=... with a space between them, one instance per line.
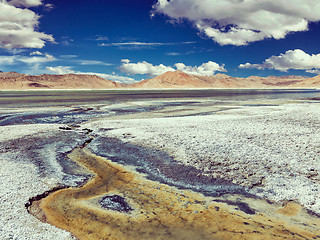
x=272 y=150
x=19 y=181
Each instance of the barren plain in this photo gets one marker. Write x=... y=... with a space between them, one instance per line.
x=160 y=165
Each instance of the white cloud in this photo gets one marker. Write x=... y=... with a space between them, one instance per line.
x=36 y=60
x=239 y=22
x=119 y=44
x=48 y=7
x=185 y=53
x=36 y=53
x=60 y=70
x=31 y=64
x=7 y=60
x=25 y=3
x=67 y=69
x=91 y=62
x=314 y=71
x=112 y=77
x=206 y=69
x=69 y=56
x=102 y=38
x=141 y=44
x=66 y=41
x=292 y=59
x=125 y=60
x=144 y=67
x=18 y=26
x=173 y=54
x=16 y=59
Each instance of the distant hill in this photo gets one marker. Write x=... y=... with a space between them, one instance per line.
x=13 y=80
x=311 y=82
x=176 y=79
x=180 y=79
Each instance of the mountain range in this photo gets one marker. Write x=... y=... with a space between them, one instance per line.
x=176 y=79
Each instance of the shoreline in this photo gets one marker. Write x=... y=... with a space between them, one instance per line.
x=154 y=89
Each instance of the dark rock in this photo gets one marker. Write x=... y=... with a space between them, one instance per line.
x=87 y=130
x=65 y=128
x=115 y=203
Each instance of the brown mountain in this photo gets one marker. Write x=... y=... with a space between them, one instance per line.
x=310 y=82
x=180 y=79
x=177 y=79
x=17 y=81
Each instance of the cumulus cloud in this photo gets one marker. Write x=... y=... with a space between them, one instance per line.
x=151 y=70
x=18 y=27
x=143 y=68
x=238 y=22
x=292 y=59
x=60 y=70
x=67 y=70
x=206 y=69
x=48 y=7
x=36 y=53
x=125 y=61
x=25 y=3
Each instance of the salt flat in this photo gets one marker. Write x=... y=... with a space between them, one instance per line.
x=269 y=148
x=21 y=179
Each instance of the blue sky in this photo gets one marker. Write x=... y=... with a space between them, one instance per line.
x=130 y=40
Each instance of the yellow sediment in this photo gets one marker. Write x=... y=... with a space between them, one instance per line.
x=290 y=209
x=160 y=211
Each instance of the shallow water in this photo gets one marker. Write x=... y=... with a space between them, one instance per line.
x=75 y=107
x=67 y=98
